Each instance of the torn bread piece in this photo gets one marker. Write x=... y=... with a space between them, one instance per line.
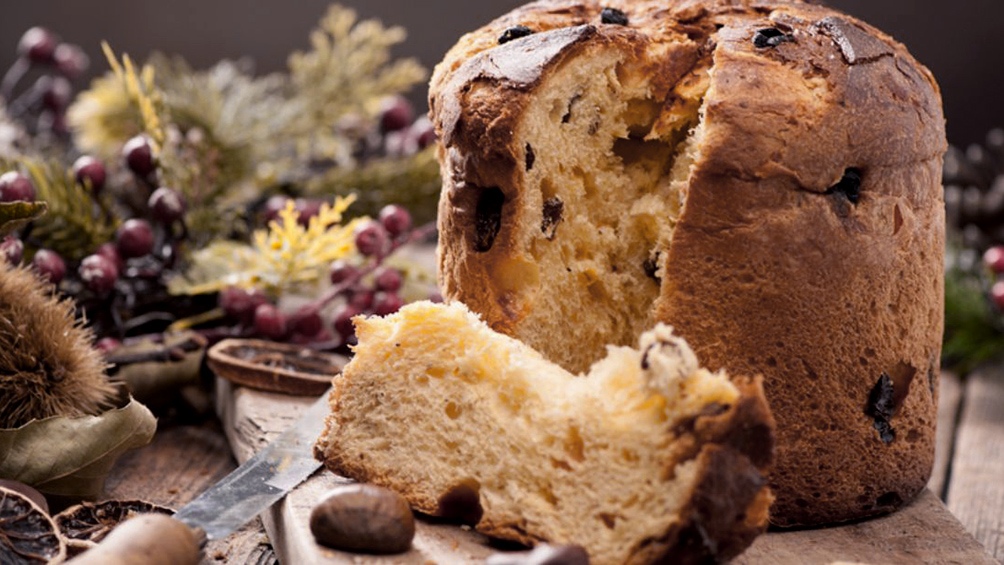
x=647 y=457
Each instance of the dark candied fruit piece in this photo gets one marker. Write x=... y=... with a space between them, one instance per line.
x=849 y=186
x=553 y=210
x=770 y=37
x=613 y=16
x=881 y=407
x=515 y=32
x=462 y=502
x=488 y=218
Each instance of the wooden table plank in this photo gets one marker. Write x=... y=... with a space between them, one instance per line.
x=976 y=489
x=949 y=404
x=923 y=532
x=183 y=460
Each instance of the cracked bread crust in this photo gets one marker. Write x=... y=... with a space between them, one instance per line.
x=808 y=247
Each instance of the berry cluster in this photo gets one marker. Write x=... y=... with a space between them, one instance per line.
x=399 y=132
x=365 y=287
x=120 y=273
x=45 y=101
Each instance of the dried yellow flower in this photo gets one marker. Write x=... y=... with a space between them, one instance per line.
x=47 y=364
x=280 y=258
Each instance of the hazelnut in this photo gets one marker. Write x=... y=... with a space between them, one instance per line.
x=363 y=518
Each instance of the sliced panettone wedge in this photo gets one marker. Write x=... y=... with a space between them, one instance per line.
x=647 y=457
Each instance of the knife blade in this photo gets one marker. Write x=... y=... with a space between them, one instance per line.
x=223 y=508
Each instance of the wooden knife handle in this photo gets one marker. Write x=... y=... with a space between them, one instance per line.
x=147 y=539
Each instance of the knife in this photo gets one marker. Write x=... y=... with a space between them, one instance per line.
x=247 y=491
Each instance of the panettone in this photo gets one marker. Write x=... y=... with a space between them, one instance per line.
x=647 y=458
x=762 y=175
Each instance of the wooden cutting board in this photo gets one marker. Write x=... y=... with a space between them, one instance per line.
x=923 y=532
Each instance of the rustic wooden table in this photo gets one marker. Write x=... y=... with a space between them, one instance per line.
x=189 y=455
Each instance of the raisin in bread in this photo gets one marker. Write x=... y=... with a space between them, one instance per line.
x=762 y=175
x=647 y=458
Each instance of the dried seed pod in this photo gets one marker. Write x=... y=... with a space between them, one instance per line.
x=28 y=491
x=50 y=367
x=28 y=535
x=85 y=525
x=363 y=518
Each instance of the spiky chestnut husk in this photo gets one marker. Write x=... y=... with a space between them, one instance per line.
x=48 y=366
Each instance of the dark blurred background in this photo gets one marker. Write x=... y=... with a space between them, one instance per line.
x=960 y=41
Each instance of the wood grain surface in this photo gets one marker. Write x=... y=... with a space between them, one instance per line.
x=949 y=404
x=183 y=460
x=976 y=484
x=923 y=532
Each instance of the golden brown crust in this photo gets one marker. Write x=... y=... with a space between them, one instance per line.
x=770 y=271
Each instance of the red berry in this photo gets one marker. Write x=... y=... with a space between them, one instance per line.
x=98 y=273
x=57 y=93
x=343 y=322
x=273 y=206
x=308 y=208
x=71 y=61
x=239 y=303
x=11 y=250
x=362 y=299
x=997 y=294
x=342 y=271
x=387 y=303
x=14 y=187
x=423 y=132
x=110 y=252
x=134 y=238
x=50 y=265
x=306 y=321
x=37 y=45
x=107 y=345
x=166 y=205
x=994 y=259
x=395 y=219
x=396 y=114
x=90 y=172
x=436 y=297
x=388 y=280
x=270 y=322
x=138 y=154
x=371 y=238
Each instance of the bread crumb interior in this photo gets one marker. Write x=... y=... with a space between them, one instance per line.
x=607 y=161
x=544 y=436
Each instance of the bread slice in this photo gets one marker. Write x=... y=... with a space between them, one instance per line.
x=646 y=458
x=762 y=175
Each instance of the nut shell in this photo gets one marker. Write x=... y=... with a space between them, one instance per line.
x=363 y=518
